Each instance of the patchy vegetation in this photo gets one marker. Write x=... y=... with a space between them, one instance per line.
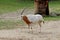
x=13 y=5
x=10 y=24
x=54 y=6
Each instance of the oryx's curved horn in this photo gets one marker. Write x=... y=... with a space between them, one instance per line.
x=23 y=11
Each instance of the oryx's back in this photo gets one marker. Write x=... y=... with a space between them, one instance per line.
x=34 y=18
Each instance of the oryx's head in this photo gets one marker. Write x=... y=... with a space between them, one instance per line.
x=22 y=12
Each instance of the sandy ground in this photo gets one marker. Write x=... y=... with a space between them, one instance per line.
x=50 y=31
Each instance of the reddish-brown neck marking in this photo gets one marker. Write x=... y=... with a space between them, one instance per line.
x=26 y=20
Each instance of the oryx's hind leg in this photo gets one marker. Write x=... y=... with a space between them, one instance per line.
x=39 y=25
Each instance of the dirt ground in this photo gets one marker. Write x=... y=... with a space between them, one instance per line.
x=50 y=30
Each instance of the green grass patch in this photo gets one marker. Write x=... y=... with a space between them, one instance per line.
x=10 y=24
x=12 y=5
x=49 y=18
x=55 y=6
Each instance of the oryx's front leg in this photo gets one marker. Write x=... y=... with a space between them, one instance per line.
x=30 y=27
